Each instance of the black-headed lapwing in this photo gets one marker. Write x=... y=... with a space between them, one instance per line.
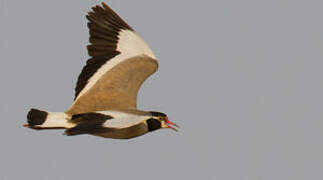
x=106 y=92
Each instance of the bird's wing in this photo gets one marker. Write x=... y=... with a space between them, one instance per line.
x=120 y=62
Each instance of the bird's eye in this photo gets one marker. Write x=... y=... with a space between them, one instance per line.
x=160 y=118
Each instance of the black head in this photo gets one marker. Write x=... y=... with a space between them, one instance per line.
x=158 y=114
x=153 y=124
x=159 y=120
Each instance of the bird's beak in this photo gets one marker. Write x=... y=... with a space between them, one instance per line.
x=168 y=123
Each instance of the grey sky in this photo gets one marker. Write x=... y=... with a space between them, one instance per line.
x=244 y=79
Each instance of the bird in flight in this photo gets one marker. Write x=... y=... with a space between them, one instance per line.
x=105 y=102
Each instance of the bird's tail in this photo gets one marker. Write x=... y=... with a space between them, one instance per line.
x=37 y=119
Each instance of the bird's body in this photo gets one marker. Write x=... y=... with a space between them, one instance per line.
x=111 y=124
x=106 y=92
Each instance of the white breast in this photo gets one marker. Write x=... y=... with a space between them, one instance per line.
x=122 y=120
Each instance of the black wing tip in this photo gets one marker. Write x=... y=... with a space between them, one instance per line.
x=105 y=5
x=104 y=25
x=87 y=123
x=106 y=12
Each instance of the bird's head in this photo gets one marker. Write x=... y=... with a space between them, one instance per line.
x=160 y=120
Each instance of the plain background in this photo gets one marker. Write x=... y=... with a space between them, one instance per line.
x=244 y=79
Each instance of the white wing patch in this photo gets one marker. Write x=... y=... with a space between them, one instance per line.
x=130 y=44
x=122 y=120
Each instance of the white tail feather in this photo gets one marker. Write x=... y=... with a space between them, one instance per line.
x=39 y=119
x=57 y=119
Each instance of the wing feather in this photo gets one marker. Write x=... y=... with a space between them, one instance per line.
x=117 y=88
x=104 y=25
x=120 y=62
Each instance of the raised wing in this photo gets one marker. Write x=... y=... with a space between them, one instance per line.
x=120 y=62
x=118 y=87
